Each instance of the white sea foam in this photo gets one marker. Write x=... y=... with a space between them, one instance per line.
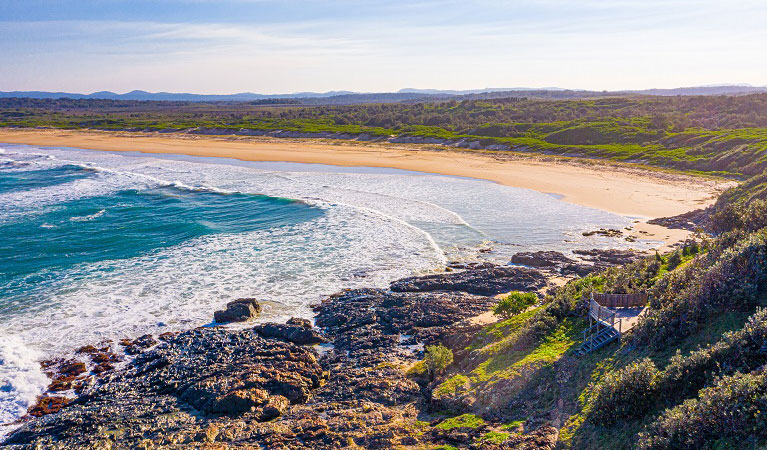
x=21 y=379
x=376 y=228
x=179 y=287
x=88 y=217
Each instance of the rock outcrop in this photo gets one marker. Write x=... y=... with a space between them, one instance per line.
x=239 y=310
x=484 y=279
x=691 y=221
x=257 y=388
x=184 y=392
x=602 y=259
x=297 y=331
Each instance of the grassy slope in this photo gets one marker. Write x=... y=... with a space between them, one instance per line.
x=506 y=377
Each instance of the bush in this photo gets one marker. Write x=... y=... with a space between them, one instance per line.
x=514 y=303
x=625 y=394
x=731 y=412
x=674 y=260
x=732 y=275
x=741 y=350
x=437 y=358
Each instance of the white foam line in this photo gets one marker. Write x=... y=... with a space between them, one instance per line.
x=432 y=242
x=458 y=217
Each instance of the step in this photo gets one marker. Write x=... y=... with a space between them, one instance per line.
x=598 y=340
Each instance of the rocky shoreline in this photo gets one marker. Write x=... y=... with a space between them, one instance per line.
x=272 y=386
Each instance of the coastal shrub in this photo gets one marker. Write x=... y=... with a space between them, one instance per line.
x=742 y=207
x=637 y=276
x=742 y=350
x=437 y=358
x=572 y=298
x=625 y=394
x=631 y=391
x=724 y=278
x=674 y=260
x=514 y=303
x=731 y=411
x=749 y=217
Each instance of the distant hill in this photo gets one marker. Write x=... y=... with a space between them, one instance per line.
x=474 y=91
x=408 y=94
x=169 y=96
x=704 y=90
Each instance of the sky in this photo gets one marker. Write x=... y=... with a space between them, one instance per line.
x=284 y=46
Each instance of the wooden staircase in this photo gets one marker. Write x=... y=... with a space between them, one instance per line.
x=604 y=324
x=598 y=339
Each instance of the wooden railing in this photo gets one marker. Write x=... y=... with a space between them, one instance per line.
x=620 y=300
x=603 y=320
x=603 y=315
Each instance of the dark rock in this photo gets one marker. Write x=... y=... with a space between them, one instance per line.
x=297 y=331
x=607 y=258
x=604 y=232
x=239 y=310
x=484 y=280
x=138 y=345
x=197 y=381
x=87 y=349
x=690 y=221
x=48 y=405
x=370 y=321
x=72 y=368
x=541 y=259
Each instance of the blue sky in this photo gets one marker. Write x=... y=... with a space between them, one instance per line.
x=227 y=46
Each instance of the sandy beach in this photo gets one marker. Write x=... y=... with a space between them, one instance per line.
x=621 y=189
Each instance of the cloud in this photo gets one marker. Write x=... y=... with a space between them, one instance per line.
x=311 y=45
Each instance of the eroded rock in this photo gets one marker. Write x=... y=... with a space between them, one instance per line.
x=297 y=331
x=485 y=279
x=239 y=310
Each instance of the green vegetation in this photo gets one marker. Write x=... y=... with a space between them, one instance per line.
x=514 y=303
x=729 y=414
x=437 y=358
x=462 y=421
x=718 y=135
x=690 y=375
x=495 y=437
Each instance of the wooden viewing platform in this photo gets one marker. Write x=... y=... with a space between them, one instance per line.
x=611 y=315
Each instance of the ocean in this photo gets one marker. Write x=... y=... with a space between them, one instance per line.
x=98 y=246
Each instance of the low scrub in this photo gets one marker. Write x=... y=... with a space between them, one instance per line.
x=437 y=358
x=514 y=303
x=728 y=414
x=741 y=350
x=627 y=393
x=728 y=277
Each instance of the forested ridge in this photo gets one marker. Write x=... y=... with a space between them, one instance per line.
x=721 y=135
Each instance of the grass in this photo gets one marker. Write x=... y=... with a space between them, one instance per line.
x=462 y=421
x=506 y=365
x=494 y=437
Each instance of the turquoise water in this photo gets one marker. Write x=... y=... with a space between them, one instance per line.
x=125 y=225
x=18 y=181
x=96 y=246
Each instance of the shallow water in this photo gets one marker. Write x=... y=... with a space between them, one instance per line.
x=98 y=246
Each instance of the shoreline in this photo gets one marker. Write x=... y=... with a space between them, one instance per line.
x=621 y=189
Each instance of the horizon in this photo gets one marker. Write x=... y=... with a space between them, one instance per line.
x=401 y=90
x=271 y=48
